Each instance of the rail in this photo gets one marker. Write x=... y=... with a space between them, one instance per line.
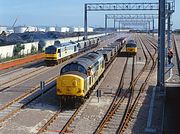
x=130 y=111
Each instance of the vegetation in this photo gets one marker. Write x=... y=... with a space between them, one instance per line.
x=33 y=49
x=17 y=49
x=11 y=58
x=41 y=46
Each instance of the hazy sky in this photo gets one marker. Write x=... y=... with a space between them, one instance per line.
x=61 y=12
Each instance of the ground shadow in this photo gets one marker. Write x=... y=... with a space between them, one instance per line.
x=172 y=110
x=142 y=117
x=125 y=54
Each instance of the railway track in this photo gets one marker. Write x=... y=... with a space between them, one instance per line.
x=10 y=109
x=130 y=110
x=114 y=115
x=65 y=118
x=119 y=97
x=110 y=123
x=29 y=75
x=22 y=78
x=13 y=107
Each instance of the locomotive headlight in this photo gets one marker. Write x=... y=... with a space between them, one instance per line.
x=74 y=83
x=79 y=90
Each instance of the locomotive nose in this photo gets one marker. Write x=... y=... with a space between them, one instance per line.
x=70 y=85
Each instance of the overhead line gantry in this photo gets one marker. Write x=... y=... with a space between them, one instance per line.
x=115 y=17
x=162 y=6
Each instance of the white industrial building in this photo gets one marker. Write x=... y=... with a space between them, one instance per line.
x=62 y=29
x=124 y=30
x=50 y=29
x=90 y=29
x=22 y=29
x=2 y=28
x=81 y=29
x=32 y=29
x=41 y=29
x=65 y=29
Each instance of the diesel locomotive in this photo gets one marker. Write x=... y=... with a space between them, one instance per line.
x=78 y=78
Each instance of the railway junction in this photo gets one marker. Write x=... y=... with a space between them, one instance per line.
x=129 y=89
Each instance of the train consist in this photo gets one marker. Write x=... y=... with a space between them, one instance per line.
x=61 y=51
x=78 y=78
x=131 y=47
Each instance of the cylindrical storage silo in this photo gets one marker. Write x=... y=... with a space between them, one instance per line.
x=3 y=29
x=58 y=29
x=20 y=29
x=81 y=29
x=50 y=29
x=41 y=29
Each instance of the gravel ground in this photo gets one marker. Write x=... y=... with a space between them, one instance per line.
x=30 y=118
x=138 y=122
x=30 y=125
x=15 y=74
x=94 y=112
x=15 y=91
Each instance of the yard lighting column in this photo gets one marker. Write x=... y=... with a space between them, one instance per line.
x=162 y=27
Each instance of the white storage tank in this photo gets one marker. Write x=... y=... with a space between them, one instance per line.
x=81 y=29
x=31 y=29
x=20 y=29
x=64 y=29
x=41 y=29
x=10 y=31
x=50 y=29
x=58 y=29
x=75 y=29
x=90 y=29
x=2 y=28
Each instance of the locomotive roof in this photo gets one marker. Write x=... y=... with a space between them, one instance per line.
x=77 y=73
x=131 y=41
x=104 y=51
x=88 y=60
x=63 y=44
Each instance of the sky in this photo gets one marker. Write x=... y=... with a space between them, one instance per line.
x=61 y=12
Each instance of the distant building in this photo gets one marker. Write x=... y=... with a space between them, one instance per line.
x=81 y=29
x=90 y=29
x=22 y=29
x=124 y=30
x=63 y=29
x=32 y=29
x=10 y=31
x=50 y=29
x=41 y=29
x=2 y=28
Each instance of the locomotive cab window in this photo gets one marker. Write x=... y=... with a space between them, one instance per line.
x=73 y=67
x=85 y=45
x=75 y=48
x=59 y=50
x=50 y=50
x=131 y=45
x=89 y=80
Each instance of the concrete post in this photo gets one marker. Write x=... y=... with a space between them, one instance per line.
x=85 y=22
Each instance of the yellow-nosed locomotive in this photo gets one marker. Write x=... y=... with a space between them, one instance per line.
x=55 y=53
x=131 y=47
x=78 y=78
x=58 y=52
